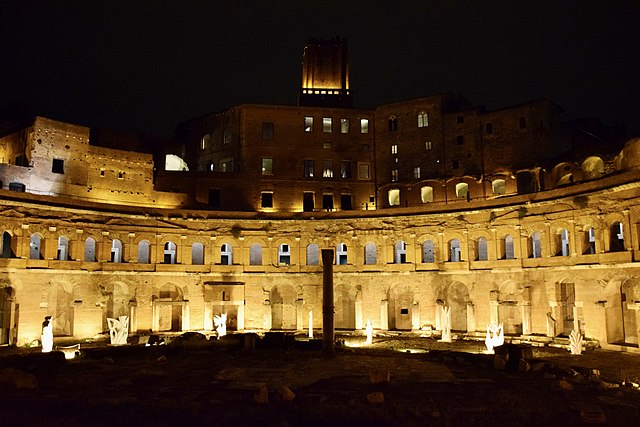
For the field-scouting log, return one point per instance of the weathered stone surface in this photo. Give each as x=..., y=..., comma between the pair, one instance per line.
x=262, y=395
x=375, y=397
x=17, y=378
x=285, y=394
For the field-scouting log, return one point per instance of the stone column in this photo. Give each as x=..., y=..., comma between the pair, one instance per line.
x=358, y=311
x=439, y=305
x=471, y=317
x=186, y=321
x=133, y=318
x=240, y=326
x=208, y=317
x=526, y=317
x=415, y=316
x=384, y=315
x=493, y=307
x=266, y=313
x=328, y=339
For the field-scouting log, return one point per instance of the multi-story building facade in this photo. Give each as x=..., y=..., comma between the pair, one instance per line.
x=427, y=203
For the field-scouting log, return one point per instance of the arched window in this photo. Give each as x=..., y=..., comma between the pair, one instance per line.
x=313, y=257
x=428, y=251
x=508, y=247
x=462, y=190
x=482, y=249
x=394, y=197
x=341, y=254
x=370, y=257
x=7, y=249
x=35, y=247
x=617, y=238
x=423, y=119
x=116, y=250
x=169, y=253
x=400, y=253
x=454, y=250
x=563, y=236
x=284, y=254
x=590, y=242
x=498, y=186
x=255, y=254
x=536, y=245
x=63, y=249
x=392, y=123
x=226, y=254
x=426, y=194
x=144, y=256
x=90, y=250
x=197, y=254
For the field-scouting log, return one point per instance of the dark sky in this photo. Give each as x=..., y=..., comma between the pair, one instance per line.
x=145, y=65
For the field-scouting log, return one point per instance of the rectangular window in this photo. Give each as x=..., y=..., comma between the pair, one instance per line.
x=345, y=169
x=345, y=202
x=364, y=147
x=57, y=166
x=394, y=175
x=226, y=165
x=327, y=169
x=427, y=145
x=364, y=125
x=308, y=202
x=327, y=202
x=267, y=131
x=460, y=119
x=308, y=124
x=326, y=125
x=454, y=164
x=363, y=170
x=522, y=122
x=488, y=128
x=344, y=125
x=267, y=199
x=326, y=146
x=416, y=172
x=394, y=149
x=309, y=166
x=423, y=120
x=267, y=166
x=459, y=140
x=101, y=172
x=120, y=175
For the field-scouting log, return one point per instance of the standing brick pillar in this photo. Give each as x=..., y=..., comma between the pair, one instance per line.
x=328, y=337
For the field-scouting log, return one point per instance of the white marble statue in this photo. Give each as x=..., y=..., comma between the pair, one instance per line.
x=118, y=330
x=369, y=330
x=575, y=342
x=495, y=336
x=220, y=323
x=446, y=324
x=47, y=334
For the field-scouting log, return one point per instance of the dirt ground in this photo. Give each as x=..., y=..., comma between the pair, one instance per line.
x=397, y=381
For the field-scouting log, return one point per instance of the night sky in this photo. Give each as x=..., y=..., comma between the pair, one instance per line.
x=144, y=66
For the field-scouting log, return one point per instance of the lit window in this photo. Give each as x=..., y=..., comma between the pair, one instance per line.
x=364, y=125
x=267, y=166
x=327, y=169
x=226, y=165
x=326, y=146
x=416, y=172
x=308, y=124
x=394, y=197
x=426, y=194
x=345, y=169
x=427, y=145
x=392, y=124
x=498, y=186
x=344, y=125
x=423, y=119
x=267, y=199
x=326, y=125
x=284, y=254
x=204, y=142
x=462, y=190
x=267, y=131
x=394, y=175
x=308, y=168
x=394, y=149
x=363, y=170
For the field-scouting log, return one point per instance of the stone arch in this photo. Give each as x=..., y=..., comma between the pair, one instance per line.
x=370, y=253
x=400, y=309
x=59, y=302
x=345, y=306
x=510, y=302
x=283, y=307
x=456, y=296
x=118, y=302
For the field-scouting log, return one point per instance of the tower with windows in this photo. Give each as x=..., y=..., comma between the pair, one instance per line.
x=325, y=74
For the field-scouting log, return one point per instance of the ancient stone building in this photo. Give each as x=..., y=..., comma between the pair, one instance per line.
x=428, y=203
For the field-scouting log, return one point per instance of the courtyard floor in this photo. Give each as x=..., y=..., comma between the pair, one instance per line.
x=399, y=380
